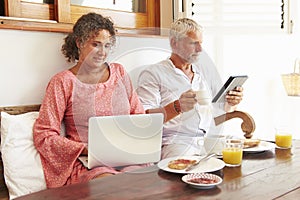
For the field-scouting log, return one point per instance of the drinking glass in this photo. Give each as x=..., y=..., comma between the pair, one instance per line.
x=283, y=138
x=233, y=152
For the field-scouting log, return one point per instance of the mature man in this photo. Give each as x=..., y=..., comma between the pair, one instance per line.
x=169, y=87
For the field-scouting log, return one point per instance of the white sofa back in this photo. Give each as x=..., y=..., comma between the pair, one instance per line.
x=29, y=59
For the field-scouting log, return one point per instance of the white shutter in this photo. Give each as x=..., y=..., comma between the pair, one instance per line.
x=240, y=15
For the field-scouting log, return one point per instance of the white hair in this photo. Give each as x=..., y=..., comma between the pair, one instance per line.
x=182, y=26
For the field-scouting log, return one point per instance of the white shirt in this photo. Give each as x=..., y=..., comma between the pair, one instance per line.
x=163, y=83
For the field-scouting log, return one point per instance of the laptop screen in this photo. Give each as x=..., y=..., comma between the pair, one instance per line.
x=124, y=139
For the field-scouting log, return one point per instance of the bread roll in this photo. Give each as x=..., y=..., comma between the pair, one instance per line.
x=248, y=143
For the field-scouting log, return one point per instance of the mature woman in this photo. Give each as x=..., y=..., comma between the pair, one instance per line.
x=92, y=87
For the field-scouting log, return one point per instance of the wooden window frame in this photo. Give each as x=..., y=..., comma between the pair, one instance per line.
x=60, y=17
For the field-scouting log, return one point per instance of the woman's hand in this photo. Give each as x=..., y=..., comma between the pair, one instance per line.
x=84, y=152
x=104, y=175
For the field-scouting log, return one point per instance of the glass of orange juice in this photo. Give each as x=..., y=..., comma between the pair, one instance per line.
x=283, y=138
x=233, y=152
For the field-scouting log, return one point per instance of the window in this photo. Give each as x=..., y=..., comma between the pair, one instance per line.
x=1, y=7
x=231, y=24
x=250, y=16
x=122, y=5
x=227, y=20
x=59, y=16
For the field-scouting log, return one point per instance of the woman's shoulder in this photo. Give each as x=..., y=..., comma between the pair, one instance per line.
x=117, y=68
x=63, y=75
x=62, y=78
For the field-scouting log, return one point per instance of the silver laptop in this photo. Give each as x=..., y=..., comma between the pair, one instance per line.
x=124, y=140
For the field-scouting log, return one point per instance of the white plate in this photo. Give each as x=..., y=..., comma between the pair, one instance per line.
x=210, y=165
x=187, y=179
x=263, y=146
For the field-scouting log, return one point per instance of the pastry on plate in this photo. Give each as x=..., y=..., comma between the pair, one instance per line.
x=249, y=143
x=180, y=164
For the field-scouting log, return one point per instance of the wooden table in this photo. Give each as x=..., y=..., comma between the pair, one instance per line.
x=266, y=175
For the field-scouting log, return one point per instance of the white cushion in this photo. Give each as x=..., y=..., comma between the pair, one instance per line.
x=23, y=170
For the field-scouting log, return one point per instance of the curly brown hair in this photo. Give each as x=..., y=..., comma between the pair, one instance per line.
x=86, y=27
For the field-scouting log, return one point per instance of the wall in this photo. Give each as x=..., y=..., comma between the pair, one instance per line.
x=264, y=58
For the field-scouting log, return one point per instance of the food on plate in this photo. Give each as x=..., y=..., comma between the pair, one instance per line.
x=180, y=164
x=203, y=180
x=248, y=143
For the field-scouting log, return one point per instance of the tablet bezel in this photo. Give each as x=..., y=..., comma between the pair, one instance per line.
x=231, y=83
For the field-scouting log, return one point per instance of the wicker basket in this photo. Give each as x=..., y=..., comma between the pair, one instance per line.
x=291, y=81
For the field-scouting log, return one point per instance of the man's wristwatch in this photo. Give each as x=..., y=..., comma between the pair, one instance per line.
x=177, y=107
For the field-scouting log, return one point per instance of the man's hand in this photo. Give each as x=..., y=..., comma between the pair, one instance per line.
x=234, y=97
x=187, y=100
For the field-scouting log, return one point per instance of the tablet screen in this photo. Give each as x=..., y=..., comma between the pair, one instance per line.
x=231, y=83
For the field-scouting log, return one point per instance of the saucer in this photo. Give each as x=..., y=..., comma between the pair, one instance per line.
x=202, y=180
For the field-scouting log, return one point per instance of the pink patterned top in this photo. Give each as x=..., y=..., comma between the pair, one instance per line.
x=72, y=102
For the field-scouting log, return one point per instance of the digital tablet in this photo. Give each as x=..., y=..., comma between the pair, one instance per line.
x=231, y=83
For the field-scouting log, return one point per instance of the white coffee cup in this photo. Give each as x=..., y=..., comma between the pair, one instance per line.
x=214, y=143
x=203, y=97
